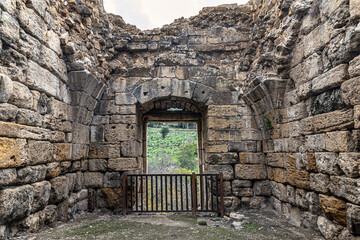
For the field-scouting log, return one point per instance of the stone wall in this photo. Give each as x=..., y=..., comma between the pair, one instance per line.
x=273, y=85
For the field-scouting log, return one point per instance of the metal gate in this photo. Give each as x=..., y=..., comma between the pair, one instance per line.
x=173, y=193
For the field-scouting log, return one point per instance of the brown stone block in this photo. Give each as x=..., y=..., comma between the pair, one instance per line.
x=275, y=159
x=218, y=123
x=290, y=161
x=63, y=151
x=119, y=132
x=350, y=90
x=223, y=158
x=248, y=172
x=276, y=174
x=350, y=164
x=216, y=147
x=12, y=153
x=252, y=158
x=99, y=150
x=122, y=164
x=354, y=8
x=227, y=111
x=340, y=141
x=327, y=122
x=357, y=116
x=334, y=208
x=297, y=178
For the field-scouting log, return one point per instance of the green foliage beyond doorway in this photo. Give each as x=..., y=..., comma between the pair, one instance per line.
x=172, y=148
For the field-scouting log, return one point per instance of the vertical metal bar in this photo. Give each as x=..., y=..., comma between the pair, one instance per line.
x=222, y=193
x=161, y=192
x=166, y=193
x=171, y=193
x=207, y=192
x=152, y=195
x=217, y=194
x=156, y=192
x=142, y=193
x=124, y=194
x=136, y=192
x=187, y=193
x=201, y=193
x=176, y=193
x=181, y=193
x=131, y=193
x=147, y=193
x=193, y=181
x=212, y=193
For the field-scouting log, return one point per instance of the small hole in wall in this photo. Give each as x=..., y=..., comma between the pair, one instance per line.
x=146, y=93
x=113, y=127
x=203, y=92
x=162, y=87
x=186, y=91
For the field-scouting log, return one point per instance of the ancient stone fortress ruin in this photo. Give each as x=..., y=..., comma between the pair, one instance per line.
x=273, y=85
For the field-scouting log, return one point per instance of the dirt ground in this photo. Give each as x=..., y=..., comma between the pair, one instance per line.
x=256, y=226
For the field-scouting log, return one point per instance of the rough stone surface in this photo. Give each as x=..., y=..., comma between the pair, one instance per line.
x=334, y=208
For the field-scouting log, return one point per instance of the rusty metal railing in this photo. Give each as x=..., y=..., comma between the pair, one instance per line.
x=173, y=193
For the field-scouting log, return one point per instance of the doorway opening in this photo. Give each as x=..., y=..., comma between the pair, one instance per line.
x=172, y=148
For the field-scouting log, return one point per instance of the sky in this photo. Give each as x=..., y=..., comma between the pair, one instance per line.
x=149, y=14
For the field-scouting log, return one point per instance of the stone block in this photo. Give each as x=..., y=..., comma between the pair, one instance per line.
x=63, y=151
x=357, y=116
x=52, y=170
x=340, y=141
x=350, y=91
x=236, y=184
x=279, y=190
x=326, y=162
x=7, y=177
x=298, y=178
x=307, y=70
x=223, y=158
x=62, y=211
x=101, y=151
x=297, y=112
x=93, y=179
x=227, y=170
x=334, y=208
x=262, y=188
x=328, y=229
x=97, y=165
x=8, y=5
x=59, y=189
x=122, y=164
x=113, y=197
x=8, y=112
x=243, y=192
x=119, y=132
x=130, y=149
x=40, y=152
x=231, y=204
x=249, y=172
x=344, y=187
x=331, y=79
x=300, y=199
x=275, y=160
x=353, y=219
x=354, y=7
x=251, y=158
x=306, y=161
x=124, y=99
x=112, y=180
x=15, y=203
x=315, y=143
x=327, y=122
x=6, y=88
x=9, y=28
x=277, y=174
x=319, y=182
x=244, y=146
x=290, y=194
x=41, y=195
x=349, y=163
x=327, y=8
x=31, y=174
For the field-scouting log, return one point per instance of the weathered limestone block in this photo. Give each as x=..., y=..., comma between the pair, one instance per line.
x=33, y=23
x=231, y=204
x=41, y=195
x=279, y=190
x=237, y=184
x=306, y=161
x=354, y=8
x=277, y=174
x=331, y=79
x=347, y=188
x=275, y=160
x=202, y=93
x=79, y=181
x=97, y=165
x=354, y=66
x=113, y=197
x=125, y=98
x=350, y=90
x=112, y=180
x=315, y=143
x=249, y=172
x=334, y=208
x=62, y=211
x=7, y=177
x=8, y=5
x=290, y=195
x=307, y=70
x=42, y=80
x=6, y=88
x=297, y=112
x=327, y=122
x=262, y=188
x=28, y=117
x=319, y=182
x=340, y=141
x=53, y=40
x=130, y=149
x=244, y=146
x=353, y=218
x=119, y=132
x=9, y=28
x=242, y=192
x=40, y=152
x=327, y=163
x=15, y=203
x=79, y=151
x=93, y=179
x=327, y=8
x=31, y=174
x=62, y=151
x=59, y=189
x=350, y=164
x=227, y=170
x=328, y=229
x=100, y=151
x=314, y=204
x=12, y=152
x=122, y=164
x=297, y=178
x=251, y=158
x=8, y=112
x=301, y=199
x=71, y=179
x=223, y=158
x=4, y=232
